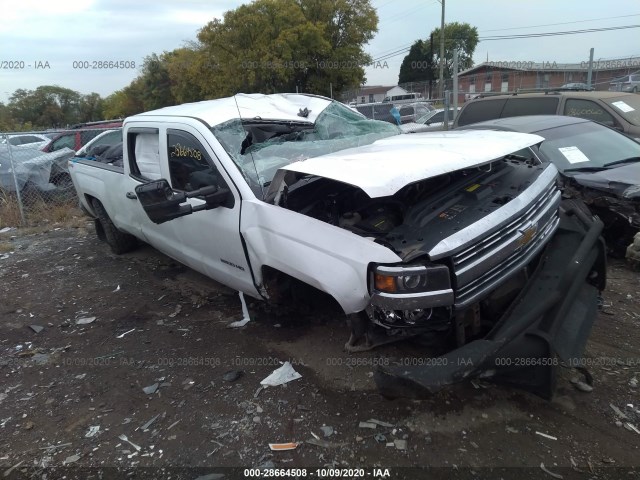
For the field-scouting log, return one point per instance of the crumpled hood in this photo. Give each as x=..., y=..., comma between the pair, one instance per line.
x=622, y=181
x=385, y=166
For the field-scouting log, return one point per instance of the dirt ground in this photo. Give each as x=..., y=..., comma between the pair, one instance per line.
x=70, y=391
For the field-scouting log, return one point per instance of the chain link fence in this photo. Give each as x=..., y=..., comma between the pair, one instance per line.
x=398, y=112
x=35, y=184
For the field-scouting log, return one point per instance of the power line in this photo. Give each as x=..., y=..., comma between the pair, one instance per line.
x=552, y=34
x=515, y=37
x=400, y=15
x=562, y=23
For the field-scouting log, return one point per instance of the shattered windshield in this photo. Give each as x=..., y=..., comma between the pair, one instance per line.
x=260, y=147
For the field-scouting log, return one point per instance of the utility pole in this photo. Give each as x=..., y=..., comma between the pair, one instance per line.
x=590, y=71
x=441, y=85
x=455, y=84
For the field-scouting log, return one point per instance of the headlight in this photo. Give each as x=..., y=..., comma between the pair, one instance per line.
x=411, y=279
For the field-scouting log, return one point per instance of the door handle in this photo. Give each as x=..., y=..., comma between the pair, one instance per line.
x=132, y=196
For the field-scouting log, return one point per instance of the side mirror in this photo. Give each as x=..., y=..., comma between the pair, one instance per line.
x=161, y=203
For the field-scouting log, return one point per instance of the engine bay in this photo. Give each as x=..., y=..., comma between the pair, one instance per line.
x=420, y=214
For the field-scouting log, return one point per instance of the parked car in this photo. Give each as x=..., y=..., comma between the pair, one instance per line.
x=597, y=164
x=628, y=83
x=618, y=110
x=432, y=121
x=35, y=171
x=100, y=143
x=409, y=113
x=77, y=138
x=576, y=86
x=27, y=140
x=449, y=236
x=377, y=111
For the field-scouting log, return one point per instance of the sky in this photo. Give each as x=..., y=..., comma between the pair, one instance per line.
x=47, y=43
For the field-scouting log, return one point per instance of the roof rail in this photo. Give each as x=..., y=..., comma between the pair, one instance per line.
x=489, y=94
x=99, y=122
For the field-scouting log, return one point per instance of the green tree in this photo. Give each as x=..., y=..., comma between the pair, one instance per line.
x=46, y=106
x=280, y=45
x=124, y=102
x=7, y=123
x=155, y=83
x=183, y=65
x=90, y=107
x=460, y=36
x=418, y=65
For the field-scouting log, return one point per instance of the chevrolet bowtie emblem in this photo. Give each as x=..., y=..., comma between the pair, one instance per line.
x=527, y=234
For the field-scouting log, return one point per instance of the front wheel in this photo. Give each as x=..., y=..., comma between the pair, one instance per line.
x=118, y=241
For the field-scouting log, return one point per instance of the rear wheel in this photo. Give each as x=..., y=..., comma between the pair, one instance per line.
x=118, y=241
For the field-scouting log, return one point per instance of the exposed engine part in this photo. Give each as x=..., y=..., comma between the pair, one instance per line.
x=419, y=215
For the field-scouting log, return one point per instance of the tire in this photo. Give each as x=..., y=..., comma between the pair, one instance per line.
x=118, y=241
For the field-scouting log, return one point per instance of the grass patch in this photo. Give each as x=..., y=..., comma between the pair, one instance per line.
x=9, y=210
x=6, y=247
x=40, y=215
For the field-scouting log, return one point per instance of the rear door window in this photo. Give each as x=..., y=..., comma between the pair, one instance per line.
x=68, y=141
x=143, y=145
x=480, y=111
x=589, y=110
x=517, y=107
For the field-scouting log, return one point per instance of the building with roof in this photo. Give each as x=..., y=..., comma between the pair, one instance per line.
x=509, y=76
x=372, y=94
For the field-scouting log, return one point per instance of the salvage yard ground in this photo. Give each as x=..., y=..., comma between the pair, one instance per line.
x=70, y=390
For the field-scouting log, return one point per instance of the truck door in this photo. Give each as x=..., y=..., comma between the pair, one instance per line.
x=141, y=152
x=208, y=241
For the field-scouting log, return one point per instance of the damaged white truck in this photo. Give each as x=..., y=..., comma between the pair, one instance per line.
x=459, y=238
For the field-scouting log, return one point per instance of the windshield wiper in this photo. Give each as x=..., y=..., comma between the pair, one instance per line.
x=624, y=160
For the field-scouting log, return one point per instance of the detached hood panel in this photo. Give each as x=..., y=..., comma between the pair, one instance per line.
x=384, y=167
x=614, y=180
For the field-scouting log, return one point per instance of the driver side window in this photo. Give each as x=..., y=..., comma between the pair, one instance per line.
x=190, y=166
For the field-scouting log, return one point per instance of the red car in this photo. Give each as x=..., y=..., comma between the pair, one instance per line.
x=78, y=136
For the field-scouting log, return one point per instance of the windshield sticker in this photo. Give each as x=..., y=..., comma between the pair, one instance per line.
x=622, y=106
x=573, y=154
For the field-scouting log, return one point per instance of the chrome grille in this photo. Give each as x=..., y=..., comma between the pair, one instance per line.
x=487, y=262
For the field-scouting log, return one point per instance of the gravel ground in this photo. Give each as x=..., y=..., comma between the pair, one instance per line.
x=71, y=391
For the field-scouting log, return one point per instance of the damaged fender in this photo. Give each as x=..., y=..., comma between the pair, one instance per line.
x=326, y=257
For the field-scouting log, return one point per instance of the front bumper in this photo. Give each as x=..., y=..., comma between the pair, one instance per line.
x=548, y=323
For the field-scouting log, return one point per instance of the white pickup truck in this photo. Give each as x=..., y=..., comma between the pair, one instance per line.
x=439, y=235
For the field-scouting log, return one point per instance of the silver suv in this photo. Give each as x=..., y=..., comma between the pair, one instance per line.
x=614, y=109
x=628, y=83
